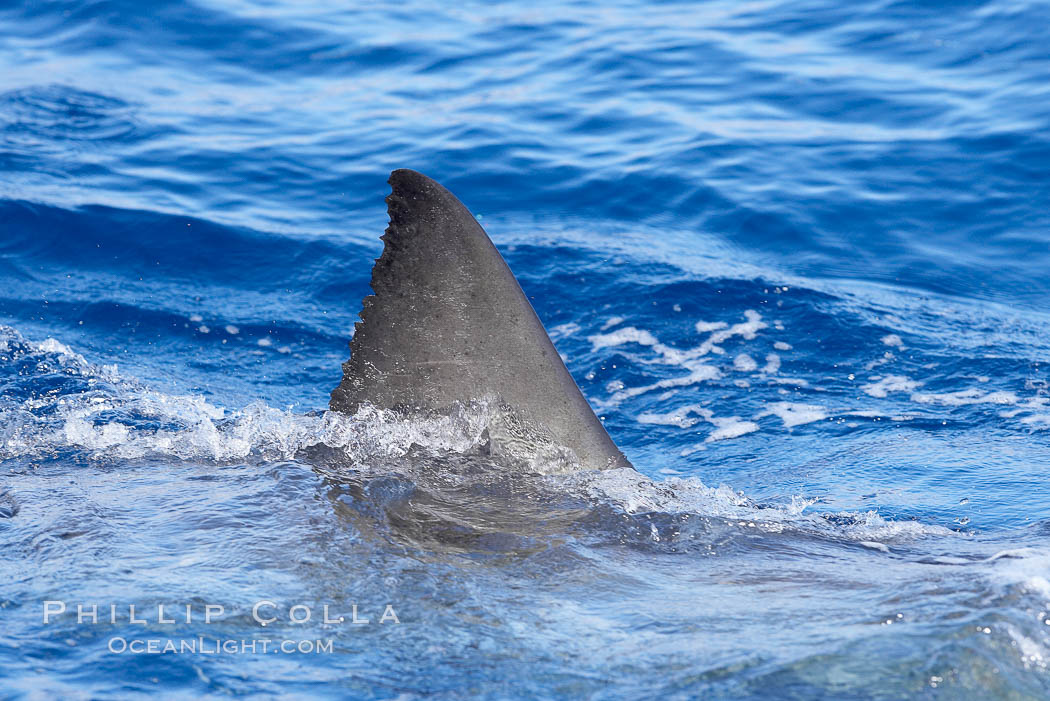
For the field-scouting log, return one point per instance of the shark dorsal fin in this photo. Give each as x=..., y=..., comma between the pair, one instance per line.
x=449, y=323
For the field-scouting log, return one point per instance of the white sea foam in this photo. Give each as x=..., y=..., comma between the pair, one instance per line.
x=619, y=337
x=683, y=417
x=118, y=418
x=730, y=427
x=700, y=374
x=793, y=414
x=772, y=366
x=637, y=494
x=1037, y=421
x=673, y=356
x=745, y=329
x=745, y=363
x=789, y=381
x=726, y=427
x=564, y=330
x=881, y=387
x=965, y=397
x=691, y=359
x=881, y=547
x=195, y=429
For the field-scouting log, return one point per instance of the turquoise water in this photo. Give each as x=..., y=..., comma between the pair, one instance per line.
x=795, y=255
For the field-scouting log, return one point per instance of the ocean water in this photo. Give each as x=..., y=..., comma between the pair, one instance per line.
x=797, y=256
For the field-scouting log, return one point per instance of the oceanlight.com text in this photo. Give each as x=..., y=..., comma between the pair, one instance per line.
x=215, y=646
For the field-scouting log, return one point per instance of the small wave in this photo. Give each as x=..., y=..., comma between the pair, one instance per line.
x=104, y=416
x=714, y=362
x=96, y=412
x=59, y=113
x=635, y=494
x=92, y=409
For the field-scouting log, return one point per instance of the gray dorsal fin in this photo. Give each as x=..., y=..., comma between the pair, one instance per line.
x=449, y=323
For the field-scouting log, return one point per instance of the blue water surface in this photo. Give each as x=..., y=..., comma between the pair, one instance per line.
x=796, y=254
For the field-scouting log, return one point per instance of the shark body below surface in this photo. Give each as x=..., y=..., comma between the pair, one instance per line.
x=448, y=324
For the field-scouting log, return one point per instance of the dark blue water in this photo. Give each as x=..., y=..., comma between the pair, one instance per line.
x=795, y=254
